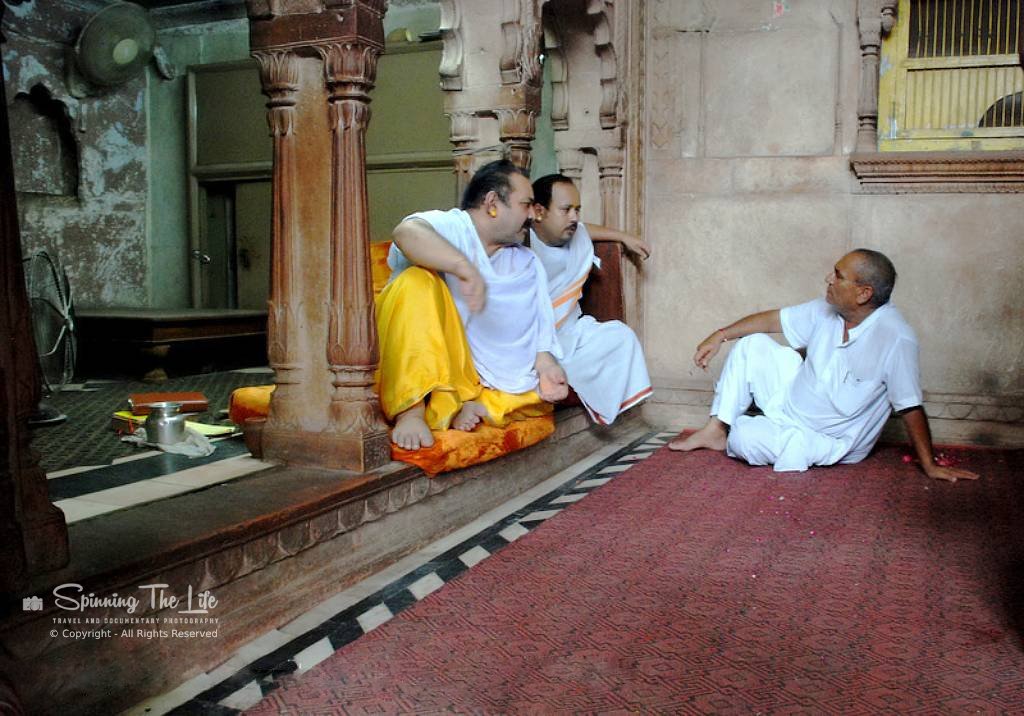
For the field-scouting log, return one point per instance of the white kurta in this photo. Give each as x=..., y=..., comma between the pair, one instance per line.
x=828, y=408
x=602, y=360
x=516, y=322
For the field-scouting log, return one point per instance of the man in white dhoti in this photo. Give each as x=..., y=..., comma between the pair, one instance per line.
x=830, y=407
x=602, y=360
x=476, y=342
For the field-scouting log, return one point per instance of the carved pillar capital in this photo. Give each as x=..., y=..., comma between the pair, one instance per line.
x=516, y=128
x=465, y=135
x=570, y=163
x=350, y=68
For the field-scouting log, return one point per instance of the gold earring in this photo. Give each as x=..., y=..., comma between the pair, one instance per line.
x=492, y=212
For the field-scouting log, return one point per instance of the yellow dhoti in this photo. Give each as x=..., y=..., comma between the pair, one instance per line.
x=424, y=356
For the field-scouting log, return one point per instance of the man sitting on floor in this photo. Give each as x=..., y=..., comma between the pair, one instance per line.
x=603, y=360
x=830, y=407
x=477, y=342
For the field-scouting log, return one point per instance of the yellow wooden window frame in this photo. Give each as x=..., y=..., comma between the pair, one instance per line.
x=927, y=103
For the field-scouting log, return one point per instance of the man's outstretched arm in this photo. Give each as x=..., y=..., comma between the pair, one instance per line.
x=633, y=244
x=921, y=438
x=423, y=246
x=763, y=322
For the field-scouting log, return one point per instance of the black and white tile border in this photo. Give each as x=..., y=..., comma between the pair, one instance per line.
x=247, y=685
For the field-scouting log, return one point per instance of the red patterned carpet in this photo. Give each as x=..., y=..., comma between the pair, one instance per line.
x=695, y=584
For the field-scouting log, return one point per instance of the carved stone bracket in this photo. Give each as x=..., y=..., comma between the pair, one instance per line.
x=558, y=71
x=521, y=35
x=451, y=67
x=875, y=18
x=516, y=128
x=603, y=12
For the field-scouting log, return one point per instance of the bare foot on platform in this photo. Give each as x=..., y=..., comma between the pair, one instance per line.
x=411, y=431
x=712, y=437
x=469, y=416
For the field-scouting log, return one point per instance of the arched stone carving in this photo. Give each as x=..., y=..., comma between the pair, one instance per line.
x=875, y=18
x=451, y=67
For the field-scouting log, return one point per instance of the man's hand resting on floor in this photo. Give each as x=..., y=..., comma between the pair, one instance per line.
x=552, y=385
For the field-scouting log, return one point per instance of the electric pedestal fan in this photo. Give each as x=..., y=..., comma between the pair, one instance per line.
x=53, y=326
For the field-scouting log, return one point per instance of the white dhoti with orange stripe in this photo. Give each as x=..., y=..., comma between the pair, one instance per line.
x=602, y=360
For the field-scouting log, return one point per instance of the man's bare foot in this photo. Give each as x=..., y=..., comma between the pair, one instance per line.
x=469, y=416
x=712, y=436
x=411, y=431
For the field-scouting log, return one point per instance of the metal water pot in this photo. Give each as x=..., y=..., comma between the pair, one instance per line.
x=165, y=424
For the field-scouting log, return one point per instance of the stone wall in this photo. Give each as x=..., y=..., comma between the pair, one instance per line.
x=751, y=115
x=80, y=163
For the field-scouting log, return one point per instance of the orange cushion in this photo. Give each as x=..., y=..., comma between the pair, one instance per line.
x=251, y=402
x=452, y=449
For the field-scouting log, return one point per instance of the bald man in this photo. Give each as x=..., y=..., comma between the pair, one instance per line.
x=861, y=364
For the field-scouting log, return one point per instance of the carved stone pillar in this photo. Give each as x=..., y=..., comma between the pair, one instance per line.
x=465, y=135
x=318, y=62
x=875, y=18
x=516, y=128
x=352, y=349
x=279, y=73
x=33, y=533
x=609, y=167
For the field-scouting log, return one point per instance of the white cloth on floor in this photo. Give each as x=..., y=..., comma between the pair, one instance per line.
x=195, y=444
x=516, y=323
x=830, y=407
x=603, y=360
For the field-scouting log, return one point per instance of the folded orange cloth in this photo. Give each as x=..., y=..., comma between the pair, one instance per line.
x=251, y=402
x=452, y=449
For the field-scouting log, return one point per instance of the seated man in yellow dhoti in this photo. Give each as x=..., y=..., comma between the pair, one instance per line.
x=466, y=327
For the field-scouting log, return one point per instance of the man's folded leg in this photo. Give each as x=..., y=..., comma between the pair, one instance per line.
x=424, y=355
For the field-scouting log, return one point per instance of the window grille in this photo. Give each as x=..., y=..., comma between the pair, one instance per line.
x=951, y=76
